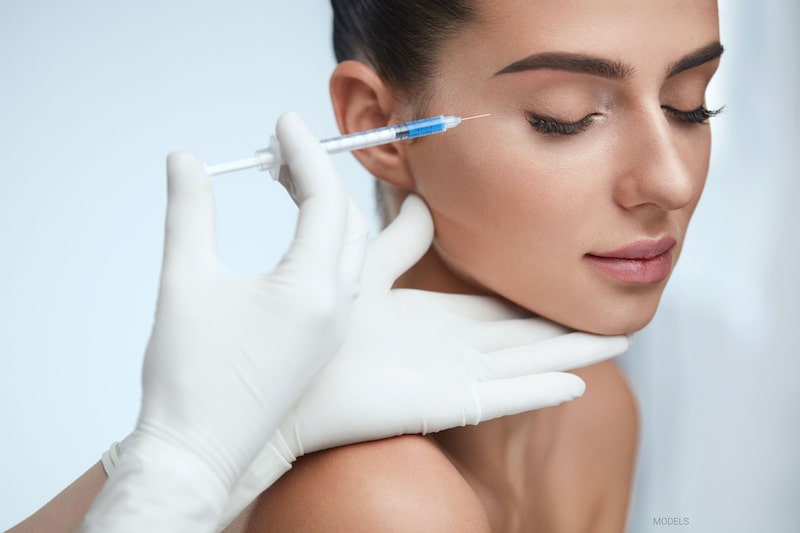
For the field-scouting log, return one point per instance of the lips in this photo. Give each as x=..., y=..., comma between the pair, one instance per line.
x=642, y=262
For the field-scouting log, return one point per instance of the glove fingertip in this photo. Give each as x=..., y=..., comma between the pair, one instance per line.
x=564, y=386
x=308, y=170
x=528, y=393
x=295, y=136
x=575, y=385
x=190, y=231
x=185, y=171
x=401, y=245
x=417, y=217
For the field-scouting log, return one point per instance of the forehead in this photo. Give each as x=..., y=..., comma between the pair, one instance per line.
x=641, y=33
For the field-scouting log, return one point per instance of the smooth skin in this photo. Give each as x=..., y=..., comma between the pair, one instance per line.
x=516, y=213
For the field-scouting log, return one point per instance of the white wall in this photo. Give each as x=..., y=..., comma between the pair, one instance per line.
x=93, y=95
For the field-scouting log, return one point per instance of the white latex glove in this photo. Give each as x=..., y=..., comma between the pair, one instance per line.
x=420, y=362
x=228, y=356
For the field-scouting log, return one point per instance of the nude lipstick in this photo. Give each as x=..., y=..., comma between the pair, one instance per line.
x=642, y=262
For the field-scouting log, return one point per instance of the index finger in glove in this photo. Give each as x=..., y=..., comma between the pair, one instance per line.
x=564, y=352
x=495, y=335
x=318, y=192
x=464, y=306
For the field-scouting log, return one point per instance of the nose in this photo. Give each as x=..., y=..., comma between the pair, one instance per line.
x=653, y=172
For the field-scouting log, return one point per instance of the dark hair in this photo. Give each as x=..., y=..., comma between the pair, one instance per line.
x=400, y=39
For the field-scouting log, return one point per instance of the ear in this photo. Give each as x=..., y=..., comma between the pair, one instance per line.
x=362, y=101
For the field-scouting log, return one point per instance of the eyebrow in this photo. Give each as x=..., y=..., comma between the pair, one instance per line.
x=568, y=62
x=605, y=68
x=708, y=53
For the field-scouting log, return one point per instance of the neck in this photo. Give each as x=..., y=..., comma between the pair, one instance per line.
x=489, y=455
x=431, y=273
x=499, y=457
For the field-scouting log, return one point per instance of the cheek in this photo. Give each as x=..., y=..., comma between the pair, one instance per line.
x=699, y=155
x=512, y=184
x=515, y=214
x=511, y=215
x=695, y=151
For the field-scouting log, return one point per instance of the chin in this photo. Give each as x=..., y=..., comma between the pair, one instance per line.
x=615, y=319
x=609, y=316
x=616, y=326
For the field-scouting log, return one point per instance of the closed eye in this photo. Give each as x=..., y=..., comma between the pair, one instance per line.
x=551, y=126
x=701, y=115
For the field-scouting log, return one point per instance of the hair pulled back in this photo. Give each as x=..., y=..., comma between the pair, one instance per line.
x=400, y=39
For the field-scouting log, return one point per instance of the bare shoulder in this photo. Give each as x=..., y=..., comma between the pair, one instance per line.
x=598, y=436
x=399, y=484
x=608, y=409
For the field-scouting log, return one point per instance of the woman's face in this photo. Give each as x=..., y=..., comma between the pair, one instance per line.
x=573, y=198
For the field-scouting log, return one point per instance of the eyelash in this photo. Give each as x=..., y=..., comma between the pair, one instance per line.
x=549, y=126
x=552, y=127
x=701, y=115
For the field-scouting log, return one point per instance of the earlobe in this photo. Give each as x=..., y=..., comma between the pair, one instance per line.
x=362, y=101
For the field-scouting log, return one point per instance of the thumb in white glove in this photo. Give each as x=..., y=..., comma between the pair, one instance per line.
x=228, y=356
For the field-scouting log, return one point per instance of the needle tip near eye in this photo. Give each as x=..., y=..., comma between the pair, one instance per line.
x=476, y=116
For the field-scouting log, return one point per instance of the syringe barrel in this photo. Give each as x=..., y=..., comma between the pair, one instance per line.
x=366, y=139
x=397, y=132
x=271, y=158
x=426, y=126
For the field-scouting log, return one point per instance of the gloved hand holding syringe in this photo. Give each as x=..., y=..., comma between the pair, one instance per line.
x=271, y=157
x=242, y=376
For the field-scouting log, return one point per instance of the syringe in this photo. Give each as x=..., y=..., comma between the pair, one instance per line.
x=270, y=158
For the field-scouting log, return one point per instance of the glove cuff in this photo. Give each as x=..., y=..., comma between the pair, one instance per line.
x=110, y=458
x=157, y=487
x=274, y=460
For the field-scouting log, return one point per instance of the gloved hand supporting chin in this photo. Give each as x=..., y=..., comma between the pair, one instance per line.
x=418, y=362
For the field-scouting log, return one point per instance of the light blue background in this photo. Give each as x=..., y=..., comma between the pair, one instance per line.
x=717, y=372
x=95, y=94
